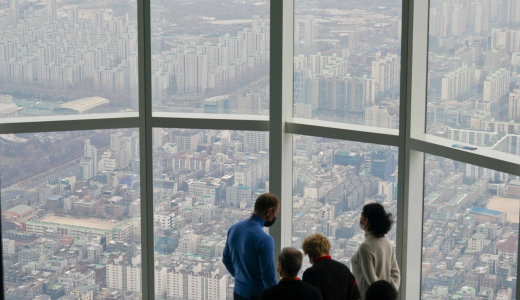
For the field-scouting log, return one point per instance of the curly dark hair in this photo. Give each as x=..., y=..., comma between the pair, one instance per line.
x=380, y=221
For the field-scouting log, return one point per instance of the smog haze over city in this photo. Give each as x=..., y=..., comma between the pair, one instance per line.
x=71, y=200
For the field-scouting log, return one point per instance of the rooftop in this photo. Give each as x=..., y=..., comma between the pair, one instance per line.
x=476, y=185
x=80, y=106
x=484, y=211
x=508, y=244
x=450, y=179
x=20, y=209
x=457, y=199
x=432, y=197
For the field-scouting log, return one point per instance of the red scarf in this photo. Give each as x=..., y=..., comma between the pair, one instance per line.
x=325, y=257
x=290, y=279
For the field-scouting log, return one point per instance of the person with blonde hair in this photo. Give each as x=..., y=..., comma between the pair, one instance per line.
x=332, y=278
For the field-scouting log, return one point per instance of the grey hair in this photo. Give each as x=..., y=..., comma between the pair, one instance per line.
x=291, y=260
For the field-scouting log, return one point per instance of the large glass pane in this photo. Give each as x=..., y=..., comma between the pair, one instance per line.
x=470, y=231
x=67, y=57
x=332, y=181
x=347, y=61
x=71, y=215
x=473, y=73
x=210, y=56
x=204, y=182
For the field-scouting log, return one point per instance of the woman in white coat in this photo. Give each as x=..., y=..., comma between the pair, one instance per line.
x=375, y=259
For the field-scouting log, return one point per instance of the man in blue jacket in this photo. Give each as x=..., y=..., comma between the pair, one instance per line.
x=249, y=251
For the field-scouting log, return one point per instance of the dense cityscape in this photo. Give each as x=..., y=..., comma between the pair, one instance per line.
x=70, y=201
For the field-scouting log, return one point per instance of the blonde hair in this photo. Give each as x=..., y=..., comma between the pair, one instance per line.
x=315, y=245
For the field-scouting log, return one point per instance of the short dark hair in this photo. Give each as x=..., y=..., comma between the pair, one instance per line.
x=381, y=290
x=291, y=260
x=380, y=221
x=266, y=201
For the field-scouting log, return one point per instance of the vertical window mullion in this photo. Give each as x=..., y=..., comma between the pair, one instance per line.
x=281, y=97
x=145, y=143
x=414, y=65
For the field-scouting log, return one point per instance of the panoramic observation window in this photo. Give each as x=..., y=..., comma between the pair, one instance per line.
x=473, y=72
x=204, y=182
x=67, y=59
x=134, y=134
x=71, y=213
x=347, y=62
x=332, y=181
x=210, y=56
x=470, y=231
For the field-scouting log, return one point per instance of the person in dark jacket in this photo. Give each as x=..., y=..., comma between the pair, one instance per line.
x=332, y=278
x=381, y=290
x=290, y=287
x=249, y=251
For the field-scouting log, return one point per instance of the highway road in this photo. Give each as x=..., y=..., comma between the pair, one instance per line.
x=26, y=188
x=29, y=192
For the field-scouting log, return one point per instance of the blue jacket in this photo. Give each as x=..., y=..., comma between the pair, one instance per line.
x=249, y=257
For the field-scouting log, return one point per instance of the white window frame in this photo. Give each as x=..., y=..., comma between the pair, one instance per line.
x=411, y=138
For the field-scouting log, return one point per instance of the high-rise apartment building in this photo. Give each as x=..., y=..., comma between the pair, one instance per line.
x=121, y=147
x=361, y=93
x=329, y=93
x=473, y=137
x=253, y=171
x=510, y=12
x=457, y=20
x=505, y=38
x=386, y=72
x=456, y=83
x=515, y=62
x=195, y=283
x=301, y=86
x=480, y=23
x=500, y=38
x=13, y=4
x=86, y=168
x=351, y=94
x=308, y=30
x=379, y=117
x=92, y=152
x=124, y=275
x=192, y=72
x=157, y=137
x=186, y=140
x=160, y=281
x=301, y=61
x=496, y=86
x=514, y=104
x=250, y=103
x=332, y=65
